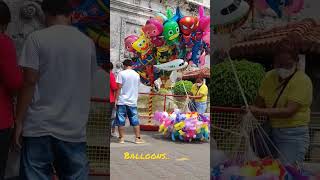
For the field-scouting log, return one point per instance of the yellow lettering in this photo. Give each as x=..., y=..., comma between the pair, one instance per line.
x=153, y=156
x=126, y=155
x=137, y=157
x=158, y=156
x=147, y=156
x=132, y=156
x=141, y=156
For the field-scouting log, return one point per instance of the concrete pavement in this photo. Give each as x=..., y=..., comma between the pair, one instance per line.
x=186, y=161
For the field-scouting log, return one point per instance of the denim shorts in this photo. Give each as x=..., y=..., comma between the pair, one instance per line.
x=124, y=111
x=292, y=143
x=113, y=117
x=201, y=107
x=40, y=153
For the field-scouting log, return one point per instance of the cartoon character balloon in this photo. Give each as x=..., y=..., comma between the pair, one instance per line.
x=188, y=25
x=289, y=6
x=153, y=29
x=204, y=21
x=128, y=41
x=142, y=45
x=171, y=30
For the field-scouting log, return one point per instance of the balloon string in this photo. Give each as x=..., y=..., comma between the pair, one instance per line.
x=238, y=81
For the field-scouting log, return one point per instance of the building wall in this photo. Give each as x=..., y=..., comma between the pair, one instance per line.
x=127, y=16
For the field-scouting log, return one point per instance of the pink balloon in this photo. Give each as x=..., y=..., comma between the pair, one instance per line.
x=204, y=21
x=128, y=41
x=203, y=59
x=189, y=55
x=206, y=37
x=261, y=5
x=294, y=7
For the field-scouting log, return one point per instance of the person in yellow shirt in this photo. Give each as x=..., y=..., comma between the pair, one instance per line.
x=285, y=96
x=199, y=95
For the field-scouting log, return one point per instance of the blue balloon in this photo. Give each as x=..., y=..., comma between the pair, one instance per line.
x=178, y=15
x=196, y=52
x=173, y=138
x=276, y=6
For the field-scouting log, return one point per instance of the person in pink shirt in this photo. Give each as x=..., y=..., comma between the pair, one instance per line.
x=10, y=83
x=113, y=89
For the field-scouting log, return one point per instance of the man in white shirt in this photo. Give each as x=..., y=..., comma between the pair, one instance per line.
x=126, y=101
x=59, y=64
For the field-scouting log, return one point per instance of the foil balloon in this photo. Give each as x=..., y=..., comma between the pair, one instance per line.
x=161, y=16
x=204, y=21
x=165, y=53
x=172, y=65
x=148, y=75
x=153, y=29
x=142, y=45
x=178, y=15
x=202, y=59
x=261, y=5
x=294, y=7
x=206, y=38
x=277, y=6
x=171, y=30
x=226, y=20
x=140, y=63
x=188, y=25
x=128, y=41
x=196, y=52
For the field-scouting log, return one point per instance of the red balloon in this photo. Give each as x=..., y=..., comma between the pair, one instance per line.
x=188, y=24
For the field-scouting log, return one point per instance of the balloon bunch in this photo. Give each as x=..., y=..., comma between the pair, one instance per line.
x=168, y=42
x=183, y=126
x=260, y=170
x=289, y=7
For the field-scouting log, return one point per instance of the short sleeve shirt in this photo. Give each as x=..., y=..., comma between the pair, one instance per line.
x=203, y=90
x=299, y=90
x=66, y=61
x=130, y=81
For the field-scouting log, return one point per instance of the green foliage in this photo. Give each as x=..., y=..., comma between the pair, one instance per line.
x=224, y=89
x=178, y=88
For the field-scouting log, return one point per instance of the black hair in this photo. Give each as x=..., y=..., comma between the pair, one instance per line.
x=110, y=65
x=56, y=7
x=127, y=63
x=5, y=15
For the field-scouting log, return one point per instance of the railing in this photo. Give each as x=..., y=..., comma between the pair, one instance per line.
x=98, y=137
x=225, y=123
x=149, y=103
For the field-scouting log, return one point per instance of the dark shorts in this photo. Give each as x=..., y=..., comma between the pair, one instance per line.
x=39, y=154
x=124, y=111
x=5, y=137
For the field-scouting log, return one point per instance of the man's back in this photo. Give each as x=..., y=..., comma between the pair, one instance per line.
x=130, y=87
x=65, y=60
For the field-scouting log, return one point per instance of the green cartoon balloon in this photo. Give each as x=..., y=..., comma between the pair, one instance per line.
x=171, y=29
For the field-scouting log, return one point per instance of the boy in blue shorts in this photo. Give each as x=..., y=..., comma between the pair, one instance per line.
x=126, y=101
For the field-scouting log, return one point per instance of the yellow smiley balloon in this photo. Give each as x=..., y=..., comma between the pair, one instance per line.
x=142, y=44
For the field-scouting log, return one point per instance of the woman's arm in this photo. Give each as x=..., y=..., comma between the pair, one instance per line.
x=197, y=97
x=259, y=102
x=286, y=112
